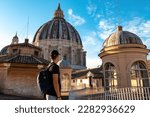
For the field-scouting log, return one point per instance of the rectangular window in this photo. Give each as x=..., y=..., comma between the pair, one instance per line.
x=36, y=53
x=15, y=51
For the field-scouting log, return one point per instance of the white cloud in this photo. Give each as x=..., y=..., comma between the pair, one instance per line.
x=93, y=62
x=140, y=27
x=70, y=11
x=101, y=8
x=90, y=39
x=76, y=20
x=105, y=28
x=137, y=25
x=92, y=45
x=91, y=8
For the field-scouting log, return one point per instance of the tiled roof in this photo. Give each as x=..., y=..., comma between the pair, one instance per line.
x=24, y=59
x=4, y=50
x=26, y=45
x=3, y=59
x=96, y=71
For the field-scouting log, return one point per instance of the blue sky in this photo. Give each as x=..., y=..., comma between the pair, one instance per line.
x=95, y=20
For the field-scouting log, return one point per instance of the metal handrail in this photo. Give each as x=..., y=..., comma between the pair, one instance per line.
x=130, y=93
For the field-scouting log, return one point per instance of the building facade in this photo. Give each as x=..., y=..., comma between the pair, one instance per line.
x=89, y=78
x=19, y=65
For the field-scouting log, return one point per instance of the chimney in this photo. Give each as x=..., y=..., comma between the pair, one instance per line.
x=26, y=41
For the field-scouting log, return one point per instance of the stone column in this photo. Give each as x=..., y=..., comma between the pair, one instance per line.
x=84, y=58
x=72, y=53
x=82, y=61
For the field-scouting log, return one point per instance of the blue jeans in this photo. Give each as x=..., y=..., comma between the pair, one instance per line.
x=50, y=97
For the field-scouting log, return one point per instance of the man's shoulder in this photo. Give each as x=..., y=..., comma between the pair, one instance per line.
x=53, y=66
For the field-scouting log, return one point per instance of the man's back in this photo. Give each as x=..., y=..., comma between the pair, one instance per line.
x=54, y=69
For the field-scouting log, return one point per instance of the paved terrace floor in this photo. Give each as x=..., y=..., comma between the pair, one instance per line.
x=13, y=97
x=87, y=91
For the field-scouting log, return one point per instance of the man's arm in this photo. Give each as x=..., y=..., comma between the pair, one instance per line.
x=56, y=85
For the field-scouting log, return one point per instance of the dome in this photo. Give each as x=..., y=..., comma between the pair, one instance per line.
x=4, y=50
x=57, y=28
x=122, y=37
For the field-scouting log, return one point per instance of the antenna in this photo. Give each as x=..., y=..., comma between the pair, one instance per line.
x=16, y=33
x=27, y=27
x=118, y=11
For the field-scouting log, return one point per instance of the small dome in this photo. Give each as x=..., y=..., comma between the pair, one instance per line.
x=57, y=28
x=4, y=50
x=122, y=37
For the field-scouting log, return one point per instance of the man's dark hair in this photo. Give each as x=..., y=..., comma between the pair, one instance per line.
x=54, y=54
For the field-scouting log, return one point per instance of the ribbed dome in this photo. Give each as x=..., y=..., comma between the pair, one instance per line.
x=122, y=37
x=57, y=28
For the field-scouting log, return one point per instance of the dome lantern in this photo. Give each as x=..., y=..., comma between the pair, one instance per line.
x=58, y=13
x=15, y=39
x=119, y=28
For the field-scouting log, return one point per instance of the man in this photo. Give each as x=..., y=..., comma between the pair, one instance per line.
x=55, y=93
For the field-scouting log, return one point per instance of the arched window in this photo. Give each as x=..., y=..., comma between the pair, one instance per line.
x=65, y=82
x=139, y=75
x=110, y=81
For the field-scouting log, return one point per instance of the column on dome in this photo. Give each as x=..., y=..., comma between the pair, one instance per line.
x=78, y=56
x=71, y=46
x=72, y=53
x=75, y=57
x=49, y=51
x=60, y=30
x=82, y=58
x=60, y=46
x=69, y=55
x=46, y=54
x=66, y=54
